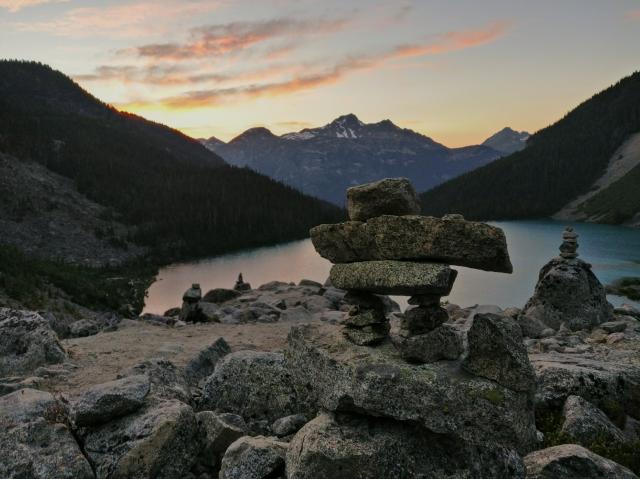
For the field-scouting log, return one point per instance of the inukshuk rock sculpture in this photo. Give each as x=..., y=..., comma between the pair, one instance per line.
x=387, y=248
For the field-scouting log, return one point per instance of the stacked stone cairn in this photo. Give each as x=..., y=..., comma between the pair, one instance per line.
x=387, y=248
x=568, y=295
x=190, y=311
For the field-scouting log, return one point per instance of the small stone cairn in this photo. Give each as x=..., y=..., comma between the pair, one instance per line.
x=569, y=246
x=387, y=248
x=190, y=311
x=241, y=285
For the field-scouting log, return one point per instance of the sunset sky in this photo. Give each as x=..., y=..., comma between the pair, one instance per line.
x=455, y=70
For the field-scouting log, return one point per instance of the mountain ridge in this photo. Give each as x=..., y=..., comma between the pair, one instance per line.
x=325, y=160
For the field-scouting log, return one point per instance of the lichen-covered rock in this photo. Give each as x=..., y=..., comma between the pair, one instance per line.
x=156, y=442
x=34, y=441
x=496, y=352
x=26, y=342
x=443, y=342
x=390, y=196
x=345, y=446
x=369, y=335
x=341, y=376
x=288, y=425
x=568, y=293
x=255, y=385
x=586, y=424
x=570, y=461
x=607, y=384
x=104, y=402
x=217, y=432
x=168, y=381
x=205, y=362
x=394, y=277
x=414, y=238
x=254, y=458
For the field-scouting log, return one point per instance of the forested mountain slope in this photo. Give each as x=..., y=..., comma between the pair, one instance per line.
x=560, y=163
x=179, y=199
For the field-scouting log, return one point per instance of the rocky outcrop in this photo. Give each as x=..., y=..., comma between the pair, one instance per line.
x=586, y=424
x=343, y=377
x=26, y=342
x=217, y=433
x=159, y=441
x=450, y=241
x=254, y=458
x=104, y=402
x=496, y=352
x=343, y=446
x=288, y=425
x=567, y=293
x=168, y=381
x=255, y=385
x=391, y=196
x=35, y=442
x=203, y=365
x=570, y=461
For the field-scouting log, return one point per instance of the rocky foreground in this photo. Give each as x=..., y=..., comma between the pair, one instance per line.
x=332, y=380
x=310, y=404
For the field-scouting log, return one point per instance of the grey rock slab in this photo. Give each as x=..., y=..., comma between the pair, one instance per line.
x=205, y=361
x=496, y=352
x=613, y=326
x=34, y=441
x=255, y=385
x=218, y=432
x=83, y=328
x=343, y=446
x=220, y=295
x=369, y=335
x=462, y=243
x=159, y=441
x=443, y=342
x=600, y=382
x=586, y=424
x=26, y=342
x=390, y=196
x=104, y=402
x=341, y=376
x=571, y=461
x=394, y=277
x=168, y=381
x=254, y=458
x=628, y=310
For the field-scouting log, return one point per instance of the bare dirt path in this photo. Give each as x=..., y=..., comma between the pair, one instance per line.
x=100, y=358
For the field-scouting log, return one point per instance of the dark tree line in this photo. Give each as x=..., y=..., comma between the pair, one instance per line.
x=560, y=163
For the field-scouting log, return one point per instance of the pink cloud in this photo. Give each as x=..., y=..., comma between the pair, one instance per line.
x=16, y=5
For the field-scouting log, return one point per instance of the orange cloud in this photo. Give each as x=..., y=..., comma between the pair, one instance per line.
x=215, y=40
x=16, y=5
x=448, y=42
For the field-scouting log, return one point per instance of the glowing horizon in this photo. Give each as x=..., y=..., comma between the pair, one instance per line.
x=454, y=71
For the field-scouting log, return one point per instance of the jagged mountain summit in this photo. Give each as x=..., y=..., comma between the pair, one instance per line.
x=324, y=161
x=508, y=140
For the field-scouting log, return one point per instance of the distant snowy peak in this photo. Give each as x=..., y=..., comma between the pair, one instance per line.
x=507, y=140
x=345, y=127
x=300, y=135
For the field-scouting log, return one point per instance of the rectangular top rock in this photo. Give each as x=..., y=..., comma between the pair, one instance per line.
x=394, y=277
x=423, y=238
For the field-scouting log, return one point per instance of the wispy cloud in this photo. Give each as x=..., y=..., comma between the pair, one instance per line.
x=16, y=5
x=129, y=20
x=633, y=15
x=214, y=40
x=448, y=42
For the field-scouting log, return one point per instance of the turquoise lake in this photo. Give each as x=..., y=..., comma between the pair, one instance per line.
x=613, y=251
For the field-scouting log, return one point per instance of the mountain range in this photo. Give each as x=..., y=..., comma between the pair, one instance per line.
x=324, y=161
x=584, y=167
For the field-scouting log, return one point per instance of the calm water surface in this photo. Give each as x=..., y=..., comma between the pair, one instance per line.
x=613, y=251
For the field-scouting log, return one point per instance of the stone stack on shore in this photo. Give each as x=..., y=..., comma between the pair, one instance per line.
x=387, y=248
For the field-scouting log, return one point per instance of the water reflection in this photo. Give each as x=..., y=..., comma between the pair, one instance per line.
x=613, y=251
